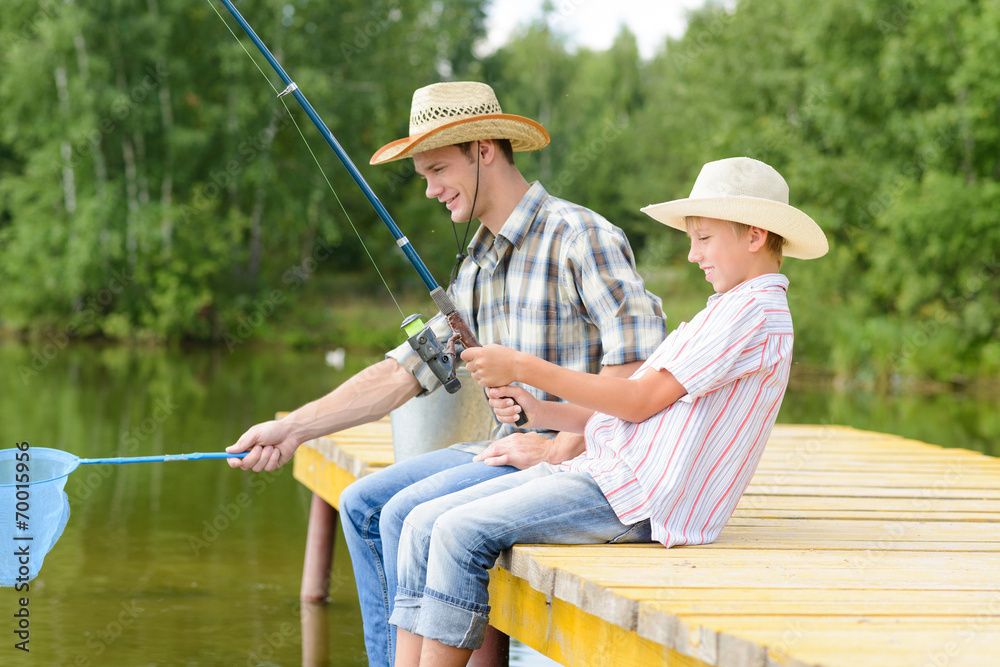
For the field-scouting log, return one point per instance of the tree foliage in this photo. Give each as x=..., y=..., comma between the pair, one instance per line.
x=152, y=183
x=139, y=141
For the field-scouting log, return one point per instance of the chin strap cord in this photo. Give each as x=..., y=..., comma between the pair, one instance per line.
x=463, y=245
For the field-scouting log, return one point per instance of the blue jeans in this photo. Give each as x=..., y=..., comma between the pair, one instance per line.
x=372, y=511
x=449, y=544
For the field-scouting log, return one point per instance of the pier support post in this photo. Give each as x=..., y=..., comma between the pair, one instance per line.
x=319, y=551
x=495, y=651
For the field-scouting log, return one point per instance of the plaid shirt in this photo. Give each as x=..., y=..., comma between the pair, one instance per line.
x=558, y=282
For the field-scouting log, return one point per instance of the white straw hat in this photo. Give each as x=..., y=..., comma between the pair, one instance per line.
x=748, y=191
x=444, y=114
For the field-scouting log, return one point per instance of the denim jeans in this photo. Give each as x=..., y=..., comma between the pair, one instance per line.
x=449, y=544
x=372, y=511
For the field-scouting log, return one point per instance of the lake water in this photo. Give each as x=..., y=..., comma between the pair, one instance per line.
x=191, y=563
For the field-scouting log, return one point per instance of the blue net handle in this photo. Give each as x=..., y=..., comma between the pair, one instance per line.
x=195, y=456
x=46, y=464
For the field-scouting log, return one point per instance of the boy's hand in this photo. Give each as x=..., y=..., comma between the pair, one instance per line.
x=509, y=402
x=492, y=365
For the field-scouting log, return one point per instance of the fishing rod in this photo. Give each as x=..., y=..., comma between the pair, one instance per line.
x=442, y=361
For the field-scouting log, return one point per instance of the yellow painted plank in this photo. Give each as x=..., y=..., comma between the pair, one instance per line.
x=900, y=453
x=812, y=601
x=568, y=635
x=856, y=624
x=322, y=476
x=809, y=541
x=921, y=483
x=991, y=508
x=757, y=540
x=883, y=532
x=788, y=513
x=878, y=475
x=864, y=641
x=871, y=492
x=570, y=576
x=859, y=642
x=902, y=449
x=974, y=570
x=654, y=555
x=876, y=577
x=888, y=465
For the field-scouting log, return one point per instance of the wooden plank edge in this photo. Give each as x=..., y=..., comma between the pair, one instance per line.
x=320, y=475
x=567, y=634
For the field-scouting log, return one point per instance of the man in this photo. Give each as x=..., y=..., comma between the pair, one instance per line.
x=542, y=275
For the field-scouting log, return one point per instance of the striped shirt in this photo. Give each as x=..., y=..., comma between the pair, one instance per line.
x=686, y=467
x=558, y=282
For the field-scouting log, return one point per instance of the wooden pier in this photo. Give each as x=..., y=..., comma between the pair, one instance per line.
x=849, y=549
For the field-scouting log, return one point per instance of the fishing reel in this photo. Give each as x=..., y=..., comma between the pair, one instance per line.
x=426, y=344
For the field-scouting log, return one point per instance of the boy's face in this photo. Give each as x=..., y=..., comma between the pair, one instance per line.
x=724, y=257
x=451, y=179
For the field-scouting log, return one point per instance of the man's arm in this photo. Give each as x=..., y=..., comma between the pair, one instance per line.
x=523, y=450
x=366, y=397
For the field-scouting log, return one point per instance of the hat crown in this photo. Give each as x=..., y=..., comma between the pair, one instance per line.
x=740, y=177
x=441, y=103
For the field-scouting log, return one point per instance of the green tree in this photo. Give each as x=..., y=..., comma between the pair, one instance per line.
x=153, y=185
x=882, y=117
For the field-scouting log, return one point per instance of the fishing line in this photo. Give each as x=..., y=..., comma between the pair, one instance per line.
x=313, y=154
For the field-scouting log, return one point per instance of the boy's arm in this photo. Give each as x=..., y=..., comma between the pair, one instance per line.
x=633, y=400
x=523, y=449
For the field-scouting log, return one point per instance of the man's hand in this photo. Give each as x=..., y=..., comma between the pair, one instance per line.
x=523, y=450
x=270, y=446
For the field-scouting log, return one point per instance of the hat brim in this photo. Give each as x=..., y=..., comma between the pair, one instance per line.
x=523, y=133
x=804, y=238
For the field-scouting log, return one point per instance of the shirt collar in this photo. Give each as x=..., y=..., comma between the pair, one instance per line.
x=515, y=229
x=764, y=283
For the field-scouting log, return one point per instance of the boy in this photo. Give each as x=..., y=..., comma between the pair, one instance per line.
x=669, y=451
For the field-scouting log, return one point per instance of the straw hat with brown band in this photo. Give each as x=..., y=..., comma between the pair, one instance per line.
x=751, y=192
x=444, y=114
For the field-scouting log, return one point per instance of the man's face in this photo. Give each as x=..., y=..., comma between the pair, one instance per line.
x=451, y=179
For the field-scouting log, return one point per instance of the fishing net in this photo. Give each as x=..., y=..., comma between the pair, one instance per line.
x=34, y=509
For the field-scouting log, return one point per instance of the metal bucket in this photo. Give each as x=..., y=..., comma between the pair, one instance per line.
x=439, y=419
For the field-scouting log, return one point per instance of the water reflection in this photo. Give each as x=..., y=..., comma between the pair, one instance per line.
x=191, y=563
x=315, y=635
x=182, y=563
x=946, y=419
